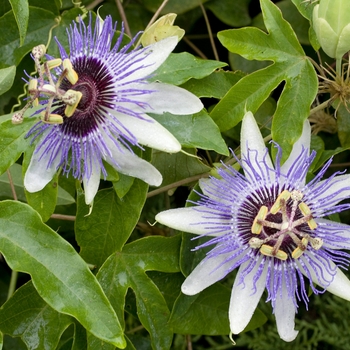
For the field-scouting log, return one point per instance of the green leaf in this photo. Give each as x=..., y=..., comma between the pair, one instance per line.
x=7, y=76
x=194, y=131
x=175, y=6
x=39, y=26
x=180, y=67
x=290, y=65
x=127, y=269
x=214, y=85
x=1, y=341
x=58, y=273
x=12, y=141
x=234, y=16
x=63, y=197
x=111, y=222
x=178, y=166
x=20, y=9
x=27, y=315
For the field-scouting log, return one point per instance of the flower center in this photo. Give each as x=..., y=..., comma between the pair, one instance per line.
x=281, y=230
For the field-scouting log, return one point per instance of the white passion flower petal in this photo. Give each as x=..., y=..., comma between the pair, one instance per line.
x=303, y=143
x=39, y=174
x=285, y=315
x=149, y=132
x=91, y=183
x=246, y=293
x=130, y=164
x=340, y=286
x=149, y=59
x=254, y=151
x=168, y=98
x=207, y=273
x=192, y=220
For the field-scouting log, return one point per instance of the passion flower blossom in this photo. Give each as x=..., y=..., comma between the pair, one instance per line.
x=96, y=101
x=271, y=224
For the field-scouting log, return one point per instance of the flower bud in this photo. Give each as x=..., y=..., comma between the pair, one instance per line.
x=161, y=29
x=331, y=21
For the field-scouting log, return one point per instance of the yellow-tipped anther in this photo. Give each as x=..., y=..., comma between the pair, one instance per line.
x=72, y=75
x=48, y=90
x=56, y=62
x=53, y=118
x=269, y=251
x=297, y=252
x=70, y=108
x=285, y=195
x=33, y=86
x=306, y=211
x=256, y=227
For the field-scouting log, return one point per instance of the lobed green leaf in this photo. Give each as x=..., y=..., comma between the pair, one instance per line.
x=7, y=76
x=20, y=10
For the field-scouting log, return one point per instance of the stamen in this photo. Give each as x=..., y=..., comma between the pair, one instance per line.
x=72, y=75
x=306, y=211
x=269, y=251
x=54, y=63
x=298, y=252
x=51, y=118
x=256, y=227
x=48, y=89
x=283, y=197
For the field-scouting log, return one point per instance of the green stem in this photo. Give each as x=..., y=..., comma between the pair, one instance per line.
x=338, y=66
x=13, y=282
x=323, y=105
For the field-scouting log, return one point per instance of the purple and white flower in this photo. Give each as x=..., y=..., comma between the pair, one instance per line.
x=96, y=101
x=271, y=225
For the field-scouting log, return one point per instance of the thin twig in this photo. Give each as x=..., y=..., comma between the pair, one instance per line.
x=177, y=184
x=13, y=190
x=194, y=48
x=211, y=38
x=93, y=4
x=63, y=217
x=157, y=13
x=123, y=16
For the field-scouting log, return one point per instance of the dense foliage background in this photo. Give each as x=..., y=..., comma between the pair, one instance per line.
x=69, y=280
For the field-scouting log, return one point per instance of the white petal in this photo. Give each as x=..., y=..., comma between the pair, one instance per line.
x=189, y=220
x=38, y=175
x=245, y=298
x=91, y=184
x=251, y=140
x=302, y=143
x=338, y=231
x=285, y=315
x=132, y=165
x=149, y=133
x=207, y=273
x=339, y=183
x=150, y=59
x=167, y=98
x=340, y=286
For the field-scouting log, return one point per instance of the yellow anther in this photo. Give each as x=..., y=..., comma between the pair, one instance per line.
x=53, y=118
x=56, y=62
x=33, y=86
x=269, y=251
x=72, y=75
x=48, y=89
x=285, y=195
x=306, y=211
x=255, y=242
x=256, y=227
x=38, y=51
x=297, y=252
x=316, y=243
